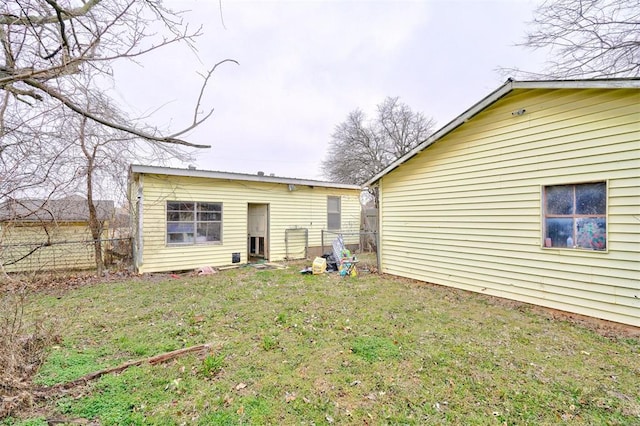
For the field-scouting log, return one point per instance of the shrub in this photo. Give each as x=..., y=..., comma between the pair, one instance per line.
x=23, y=347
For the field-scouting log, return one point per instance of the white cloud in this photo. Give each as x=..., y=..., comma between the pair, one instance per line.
x=305, y=65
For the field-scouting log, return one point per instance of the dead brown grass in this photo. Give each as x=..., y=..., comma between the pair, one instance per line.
x=23, y=348
x=300, y=348
x=604, y=328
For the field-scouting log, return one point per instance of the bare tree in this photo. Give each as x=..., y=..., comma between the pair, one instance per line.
x=59, y=131
x=100, y=157
x=90, y=161
x=360, y=148
x=588, y=38
x=45, y=42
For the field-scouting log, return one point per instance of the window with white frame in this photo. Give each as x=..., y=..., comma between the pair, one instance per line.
x=333, y=213
x=193, y=222
x=575, y=216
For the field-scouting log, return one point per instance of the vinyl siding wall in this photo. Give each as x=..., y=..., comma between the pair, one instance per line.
x=69, y=250
x=304, y=207
x=466, y=211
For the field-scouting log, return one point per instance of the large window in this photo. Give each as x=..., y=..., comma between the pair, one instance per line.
x=193, y=223
x=575, y=216
x=333, y=213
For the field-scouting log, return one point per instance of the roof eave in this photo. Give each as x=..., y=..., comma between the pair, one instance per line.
x=501, y=91
x=452, y=125
x=208, y=174
x=613, y=83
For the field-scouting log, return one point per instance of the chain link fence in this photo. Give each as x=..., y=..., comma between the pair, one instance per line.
x=64, y=255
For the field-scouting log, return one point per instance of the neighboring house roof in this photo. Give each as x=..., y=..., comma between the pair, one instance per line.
x=136, y=168
x=70, y=209
x=506, y=88
x=121, y=220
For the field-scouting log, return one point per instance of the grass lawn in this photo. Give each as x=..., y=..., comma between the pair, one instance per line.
x=316, y=350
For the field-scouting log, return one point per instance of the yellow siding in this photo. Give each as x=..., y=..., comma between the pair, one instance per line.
x=304, y=207
x=68, y=249
x=466, y=212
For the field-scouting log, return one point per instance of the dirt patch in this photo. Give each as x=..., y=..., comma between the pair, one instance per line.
x=605, y=328
x=602, y=327
x=59, y=284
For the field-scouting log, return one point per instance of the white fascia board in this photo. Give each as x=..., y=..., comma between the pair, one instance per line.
x=508, y=86
x=209, y=174
x=452, y=125
x=621, y=83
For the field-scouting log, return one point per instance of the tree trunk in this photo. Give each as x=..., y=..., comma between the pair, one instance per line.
x=95, y=224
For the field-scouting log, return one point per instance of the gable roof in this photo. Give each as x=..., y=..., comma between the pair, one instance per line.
x=137, y=168
x=69, y=209
x=509, y=86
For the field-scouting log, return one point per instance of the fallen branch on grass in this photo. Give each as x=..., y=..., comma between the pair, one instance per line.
x=16, y=395
x=157, y=359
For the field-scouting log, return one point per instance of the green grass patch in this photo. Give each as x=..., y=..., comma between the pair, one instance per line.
x=212, y=365
x=67, y=363
x=375, y=348
x=269, y=343
x=294, y=349
x=11, y=421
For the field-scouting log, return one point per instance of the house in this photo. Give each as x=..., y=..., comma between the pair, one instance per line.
x=49, y=234
x=187, y=218
x=532, y=194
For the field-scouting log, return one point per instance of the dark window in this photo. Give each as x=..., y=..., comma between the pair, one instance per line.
x=575, y=216
x=193, y=222
x=333, y=213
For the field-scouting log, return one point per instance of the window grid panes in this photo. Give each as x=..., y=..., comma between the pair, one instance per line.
x=575, y=216
x=193, y=222
x=333, y=213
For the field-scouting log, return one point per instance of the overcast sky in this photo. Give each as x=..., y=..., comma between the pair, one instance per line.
x=303, y=66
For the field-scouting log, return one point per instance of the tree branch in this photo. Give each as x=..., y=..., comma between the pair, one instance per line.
x=588, y=38
x=8, y=19
x=69, y=104
x=157, y=359
x=197, y=122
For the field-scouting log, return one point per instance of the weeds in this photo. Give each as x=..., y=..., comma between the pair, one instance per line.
x=23, y=347
x=269, y=343
x=212, y=365
x=295, y=349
